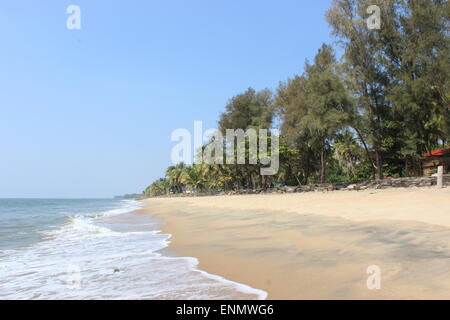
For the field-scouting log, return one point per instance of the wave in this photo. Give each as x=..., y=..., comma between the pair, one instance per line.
x=102, y=256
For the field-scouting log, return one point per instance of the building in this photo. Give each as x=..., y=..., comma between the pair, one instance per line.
x=431, y=161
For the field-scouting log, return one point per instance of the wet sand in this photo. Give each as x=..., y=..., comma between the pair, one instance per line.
x=318, y=245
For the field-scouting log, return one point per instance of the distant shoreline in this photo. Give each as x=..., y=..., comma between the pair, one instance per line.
x=318, y=245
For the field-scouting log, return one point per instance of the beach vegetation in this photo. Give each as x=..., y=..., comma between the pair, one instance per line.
x=367, y=114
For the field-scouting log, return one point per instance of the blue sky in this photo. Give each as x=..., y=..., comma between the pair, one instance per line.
x=90, y=112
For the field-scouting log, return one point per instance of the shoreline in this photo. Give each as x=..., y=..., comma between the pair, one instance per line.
x=317, y=245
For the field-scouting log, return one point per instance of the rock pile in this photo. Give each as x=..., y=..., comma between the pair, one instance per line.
x=371, y=184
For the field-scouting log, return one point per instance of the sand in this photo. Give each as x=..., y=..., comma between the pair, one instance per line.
x=318, y=245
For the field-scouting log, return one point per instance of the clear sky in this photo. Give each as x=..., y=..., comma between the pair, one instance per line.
x=90, y=112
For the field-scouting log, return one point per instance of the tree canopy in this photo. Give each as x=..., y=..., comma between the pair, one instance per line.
x=367, y=114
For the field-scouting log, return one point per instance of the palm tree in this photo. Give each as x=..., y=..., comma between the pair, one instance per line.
x=173, y=175
x=194, y=178
x=347, y=153
x=157, y=188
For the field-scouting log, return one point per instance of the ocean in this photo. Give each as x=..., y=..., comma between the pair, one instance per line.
x=97, y=249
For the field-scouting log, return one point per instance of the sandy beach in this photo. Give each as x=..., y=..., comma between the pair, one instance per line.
x=318, y=245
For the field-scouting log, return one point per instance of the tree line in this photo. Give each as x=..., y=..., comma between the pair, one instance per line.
x=369, y=114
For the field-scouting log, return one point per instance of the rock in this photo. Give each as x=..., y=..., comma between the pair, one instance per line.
x=291, y=189
x=425, y=183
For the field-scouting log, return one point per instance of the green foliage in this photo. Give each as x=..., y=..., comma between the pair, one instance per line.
x=364, y=172
x=158, y=188
x=371, y=115
x=250, y=109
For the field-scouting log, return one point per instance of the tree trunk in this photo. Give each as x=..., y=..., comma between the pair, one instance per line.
x=298, y=180
x=379, y=164
x=322, y=165
x=361, y=138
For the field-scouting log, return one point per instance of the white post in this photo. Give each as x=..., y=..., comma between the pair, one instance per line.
x=440, y=177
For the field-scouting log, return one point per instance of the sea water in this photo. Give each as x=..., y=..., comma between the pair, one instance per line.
x=97, y=249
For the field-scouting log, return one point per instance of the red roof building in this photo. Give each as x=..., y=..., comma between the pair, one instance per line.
x=430, y=161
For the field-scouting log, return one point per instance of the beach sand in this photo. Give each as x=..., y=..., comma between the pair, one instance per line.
x=318, y=245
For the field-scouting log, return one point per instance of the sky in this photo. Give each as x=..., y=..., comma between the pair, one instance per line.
x=89, y=113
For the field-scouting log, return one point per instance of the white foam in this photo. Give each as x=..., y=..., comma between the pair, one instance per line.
x=112, y=265
x=193, y=262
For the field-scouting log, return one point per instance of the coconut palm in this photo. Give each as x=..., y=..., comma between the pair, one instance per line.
x=347, y=153
x=157, y=188
x=173, y=176
x=194, y=178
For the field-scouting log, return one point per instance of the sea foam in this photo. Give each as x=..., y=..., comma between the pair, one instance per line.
x=110, y=255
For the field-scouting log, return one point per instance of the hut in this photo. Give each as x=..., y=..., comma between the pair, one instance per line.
x=431, y=161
